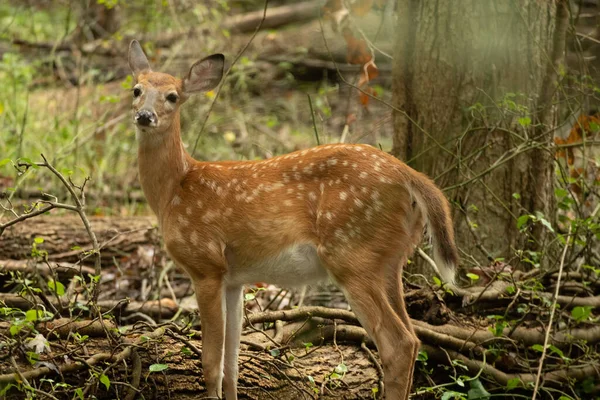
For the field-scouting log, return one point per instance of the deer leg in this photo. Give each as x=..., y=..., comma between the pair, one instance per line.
x=395, y=293
x=394, y=340
x=234, y=311
x=211, y=303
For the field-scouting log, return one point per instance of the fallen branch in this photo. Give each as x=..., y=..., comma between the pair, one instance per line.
x=78, y=365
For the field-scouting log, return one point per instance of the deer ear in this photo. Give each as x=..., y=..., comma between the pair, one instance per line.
x=205, y=74
x=137, y=59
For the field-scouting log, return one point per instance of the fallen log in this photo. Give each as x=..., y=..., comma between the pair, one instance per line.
x=275, y=17
x=66, y=240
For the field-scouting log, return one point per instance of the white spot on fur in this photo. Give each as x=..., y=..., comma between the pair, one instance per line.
x=363, y=175
x=194, y=238
x=343, y=195
x=358, y=203
x=210, y=216
x=312, y=196
x=287, y=203
x=176, y=200
x=332, y=161
x=213, y=247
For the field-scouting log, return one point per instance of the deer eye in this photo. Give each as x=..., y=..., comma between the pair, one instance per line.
x=137, y=92
x=172, y=98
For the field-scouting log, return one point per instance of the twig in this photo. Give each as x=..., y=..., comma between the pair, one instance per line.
x=378, y=367
x=312, y=115
x=560, y=269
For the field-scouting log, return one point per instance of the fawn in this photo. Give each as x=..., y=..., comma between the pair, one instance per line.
x=347, y=212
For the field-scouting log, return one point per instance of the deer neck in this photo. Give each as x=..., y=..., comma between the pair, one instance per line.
x=163, y=163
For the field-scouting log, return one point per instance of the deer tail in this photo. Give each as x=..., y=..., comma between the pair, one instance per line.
x=436, y=212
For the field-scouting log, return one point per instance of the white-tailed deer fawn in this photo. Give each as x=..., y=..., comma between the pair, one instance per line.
x=347, y=212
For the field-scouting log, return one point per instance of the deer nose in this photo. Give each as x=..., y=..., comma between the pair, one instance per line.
x=145, y=117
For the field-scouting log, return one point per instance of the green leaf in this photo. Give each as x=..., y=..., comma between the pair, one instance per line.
x=547, y=224
x=525, y=122
x=28, y=161
x=513, y=383
x=249, y=297
x=341, y=369
x=522, y=220
x=477, y=391
x=560, y=192
x=33, y=315
x=580, y=313
x=15, y=328
x=510, y=289
x=437, y=281
x=557, y=351
x=516, y=196
x=449, y=395
x=538, y=347
x=4, y=162
x=158, y=367
x=274, y=352
x=79, y=393
x=186, y=351
x=38, y=240
x=472, y=276
x=105, y=381
x=422, y=356
x=56, y=287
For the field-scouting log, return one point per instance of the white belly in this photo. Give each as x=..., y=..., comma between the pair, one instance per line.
x=294, y=266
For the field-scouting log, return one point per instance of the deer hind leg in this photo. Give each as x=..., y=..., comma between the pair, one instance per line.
x=395, y=294
x=234, y=309
x=364, y=283
x=211, y=304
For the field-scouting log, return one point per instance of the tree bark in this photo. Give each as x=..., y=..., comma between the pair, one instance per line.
x=464, y=74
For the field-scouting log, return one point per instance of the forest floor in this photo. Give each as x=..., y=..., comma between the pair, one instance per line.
x=482, y=340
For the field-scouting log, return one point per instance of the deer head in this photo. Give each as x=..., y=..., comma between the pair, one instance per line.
x=158, y=96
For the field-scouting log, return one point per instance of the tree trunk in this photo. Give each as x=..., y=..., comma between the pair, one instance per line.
x=471, y=79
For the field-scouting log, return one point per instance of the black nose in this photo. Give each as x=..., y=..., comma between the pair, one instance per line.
x=145, y=117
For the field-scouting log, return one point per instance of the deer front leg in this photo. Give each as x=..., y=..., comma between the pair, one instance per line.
x=234, y=311
x=211, y=304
